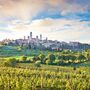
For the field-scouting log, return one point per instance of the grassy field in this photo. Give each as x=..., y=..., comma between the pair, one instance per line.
x=8, y=51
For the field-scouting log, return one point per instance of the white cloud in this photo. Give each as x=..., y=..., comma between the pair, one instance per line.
x=59, y=29
x=27, y=9
x=22, y=9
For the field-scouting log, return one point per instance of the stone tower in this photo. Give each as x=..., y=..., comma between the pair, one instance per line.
x=40, y=36
x=31, y=35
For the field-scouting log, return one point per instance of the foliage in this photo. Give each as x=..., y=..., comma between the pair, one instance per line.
x=11, y=62
x=57, y=62
x=42, y=58
x=66, y=57
x=48, y=62
x=50, y=78
x=35, y=58
x=51, y=57
x=81, y=57
x=38, y=63
x=24, y=58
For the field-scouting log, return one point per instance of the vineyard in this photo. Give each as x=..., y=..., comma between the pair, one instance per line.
x=44, y=78
x=44, y=70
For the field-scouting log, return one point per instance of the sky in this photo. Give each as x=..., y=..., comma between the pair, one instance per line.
x=63, y=20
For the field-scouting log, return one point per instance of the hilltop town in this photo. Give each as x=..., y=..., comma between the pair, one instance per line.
x=39, y=43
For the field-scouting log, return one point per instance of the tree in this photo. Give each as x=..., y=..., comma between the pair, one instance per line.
x=38, y=63
x=42, y=58
x=35, y=58
x=11, y=62
x=57, y=62
x=59, y=57
x=51, y=57
x=63, y=57
x=24, y=58
x=88, y=56
x=72, y=58
x=48, y=62
x=81, y=57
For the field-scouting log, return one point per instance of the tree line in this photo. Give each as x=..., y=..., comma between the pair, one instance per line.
x=50, y=59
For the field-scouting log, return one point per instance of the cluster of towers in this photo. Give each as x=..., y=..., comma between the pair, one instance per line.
x=31, y=37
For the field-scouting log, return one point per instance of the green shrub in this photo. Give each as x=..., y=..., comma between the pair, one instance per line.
x=48, y=62
x=51, y=57
x=42, y=58
x=38, y=63
x=23, y=58
x=57, y=62
x=35, y=58
x=81, y=57
x=11, y=62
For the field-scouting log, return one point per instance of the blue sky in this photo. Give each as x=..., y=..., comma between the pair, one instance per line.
x=63, y=20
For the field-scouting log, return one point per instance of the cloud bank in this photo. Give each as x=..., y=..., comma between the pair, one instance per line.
x=56, y=29
x=27, y=9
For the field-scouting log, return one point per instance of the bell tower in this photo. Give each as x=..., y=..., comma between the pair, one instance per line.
x=31, y=35
x=40, y=36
